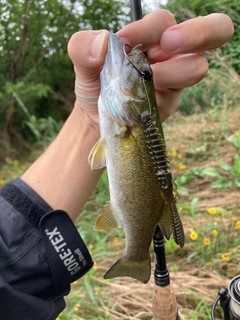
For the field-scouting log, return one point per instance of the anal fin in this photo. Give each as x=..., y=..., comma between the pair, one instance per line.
x=106, y=220
x=165, y=222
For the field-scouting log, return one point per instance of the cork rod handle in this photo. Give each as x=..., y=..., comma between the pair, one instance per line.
x=164, y=303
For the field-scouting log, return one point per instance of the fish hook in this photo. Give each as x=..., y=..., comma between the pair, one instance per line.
x=145, y=73
x=124, y=51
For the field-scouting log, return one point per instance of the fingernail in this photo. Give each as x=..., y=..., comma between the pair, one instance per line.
x=171, y=41
x=98, y=43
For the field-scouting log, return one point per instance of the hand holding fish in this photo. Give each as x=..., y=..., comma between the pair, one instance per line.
x=172, y=73
x=173, y=50
x=133, y=149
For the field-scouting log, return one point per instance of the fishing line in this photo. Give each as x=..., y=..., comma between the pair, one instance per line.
x=146, y=73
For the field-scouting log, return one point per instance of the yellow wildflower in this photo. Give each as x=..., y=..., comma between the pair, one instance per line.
x=77, y=307
x=225, y=257
x=206, y=241
x=58, y=318
x=96, y=293
x=215, y=232
x=180, y=156
x=212, y=211
x=174, y=153
x=91, y=246
x=182, y=166
x=95, y=265
x=237, y=224
x=16, y=162
x=75, y=282
x=230, y=212
x=215, y=223
x=1, y=182
x=193, y=236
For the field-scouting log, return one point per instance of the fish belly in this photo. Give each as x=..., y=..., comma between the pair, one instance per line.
x=135, y=202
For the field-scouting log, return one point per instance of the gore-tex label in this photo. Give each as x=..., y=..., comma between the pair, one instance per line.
x=67, y=254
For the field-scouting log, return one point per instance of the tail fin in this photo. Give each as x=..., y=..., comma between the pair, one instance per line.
x=140, y=270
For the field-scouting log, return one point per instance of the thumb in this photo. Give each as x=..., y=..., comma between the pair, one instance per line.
x=87, y=50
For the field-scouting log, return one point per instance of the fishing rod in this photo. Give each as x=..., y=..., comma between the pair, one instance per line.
x=136, y=10
x=164, y=300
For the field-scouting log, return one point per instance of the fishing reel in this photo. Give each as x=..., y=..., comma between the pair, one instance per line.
x=229, y=300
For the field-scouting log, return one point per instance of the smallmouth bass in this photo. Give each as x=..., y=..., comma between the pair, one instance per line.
x=133, y=149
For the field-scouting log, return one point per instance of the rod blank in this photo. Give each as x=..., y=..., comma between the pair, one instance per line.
x=136, y=8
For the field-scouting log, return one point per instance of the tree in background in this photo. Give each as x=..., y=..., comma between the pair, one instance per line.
x=221, y=86
x=186, y=9
x=36, y=74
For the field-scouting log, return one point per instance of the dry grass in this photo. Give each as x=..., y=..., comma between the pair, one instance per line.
x=206, y=129
x=194, y=286
x=127, y=299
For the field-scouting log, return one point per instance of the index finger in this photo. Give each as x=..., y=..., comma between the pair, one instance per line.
x=195, y=35
x=198, y=34
x=147, y=31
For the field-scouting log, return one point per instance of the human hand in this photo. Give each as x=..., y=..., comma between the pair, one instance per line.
x=174, y=52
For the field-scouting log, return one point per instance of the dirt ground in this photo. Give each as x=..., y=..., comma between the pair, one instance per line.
x=193, y=283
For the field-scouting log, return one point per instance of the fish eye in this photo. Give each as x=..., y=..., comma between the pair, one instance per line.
x=146, y=73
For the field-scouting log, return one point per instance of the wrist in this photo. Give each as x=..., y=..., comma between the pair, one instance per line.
x=86, y=118
x=62, y=175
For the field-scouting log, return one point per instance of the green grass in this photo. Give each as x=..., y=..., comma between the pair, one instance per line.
x=212, y=233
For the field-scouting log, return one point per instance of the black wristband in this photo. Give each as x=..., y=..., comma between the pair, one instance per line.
x=23, y=199
x=67, y=254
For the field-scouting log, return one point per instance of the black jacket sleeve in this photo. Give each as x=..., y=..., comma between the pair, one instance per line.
x=41, y=253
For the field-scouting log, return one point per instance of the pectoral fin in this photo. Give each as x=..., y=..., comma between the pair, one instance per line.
x=96, y=156
x=106, y=221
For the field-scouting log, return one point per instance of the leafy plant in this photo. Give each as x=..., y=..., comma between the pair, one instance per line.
x=44, y=129
x=235, y=140
x=34, y=59
x=227, y=175
x=190, y=210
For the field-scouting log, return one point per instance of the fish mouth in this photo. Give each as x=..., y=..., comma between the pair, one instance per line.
x=123, y=91
x=122, y=69
x=115, y=58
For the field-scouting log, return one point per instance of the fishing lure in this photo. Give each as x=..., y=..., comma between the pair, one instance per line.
x=168, y=188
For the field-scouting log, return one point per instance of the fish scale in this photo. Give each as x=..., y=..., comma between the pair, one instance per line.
x=136, y=204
